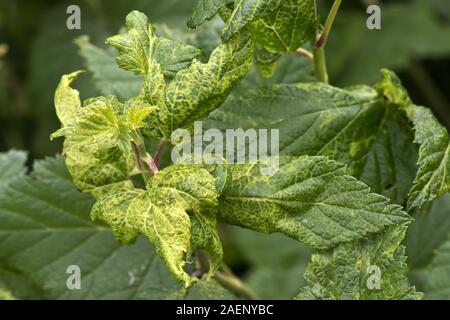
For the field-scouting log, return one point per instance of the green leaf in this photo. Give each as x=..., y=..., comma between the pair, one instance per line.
x=309, y=199
x=433, y=176
x=115, y=208
x=139, y=48
x=245, y=12
x=208, y=290
x=286, y=28
x=202, y=87
x=67, y=100
x=351, y=126
x=427, y=233
x=161, y=214
x=198, y=188
x=438, y=284
x=195, y=184
x=277, y=26
x=205, y=10
x=345, y=272
x=204, y=235
x=351, y=119
x=390, y=167
x=109, y=79
x=17, y=285
x=354, y=126
x=46, y=228
x=97, y=150
x=12, y=166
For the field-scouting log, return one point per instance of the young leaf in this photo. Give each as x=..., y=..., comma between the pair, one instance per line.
x=369, y=269
x=139, y=48
x=137, y=114
x=310, y=199
x=433, y=176
x=97, y=148
x=390, y=167
x=67, y=100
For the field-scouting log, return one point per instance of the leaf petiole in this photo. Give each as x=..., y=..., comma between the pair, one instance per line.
x=159, y=152
x=231, y=282
x=144, y=161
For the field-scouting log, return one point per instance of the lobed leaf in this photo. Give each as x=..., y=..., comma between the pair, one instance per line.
x=310, y=199
x=287, y=28
x=161, y=214
x=67, y=100
x=97, y=150
x=346, y=272
x=139, y=48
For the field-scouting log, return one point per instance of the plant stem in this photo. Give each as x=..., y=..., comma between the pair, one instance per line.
x=320, y=42
x=320, y=65
x=159, y=152
x=229, y=281
x=144, y=161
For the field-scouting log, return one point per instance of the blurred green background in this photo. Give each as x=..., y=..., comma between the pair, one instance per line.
x=36, y=48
